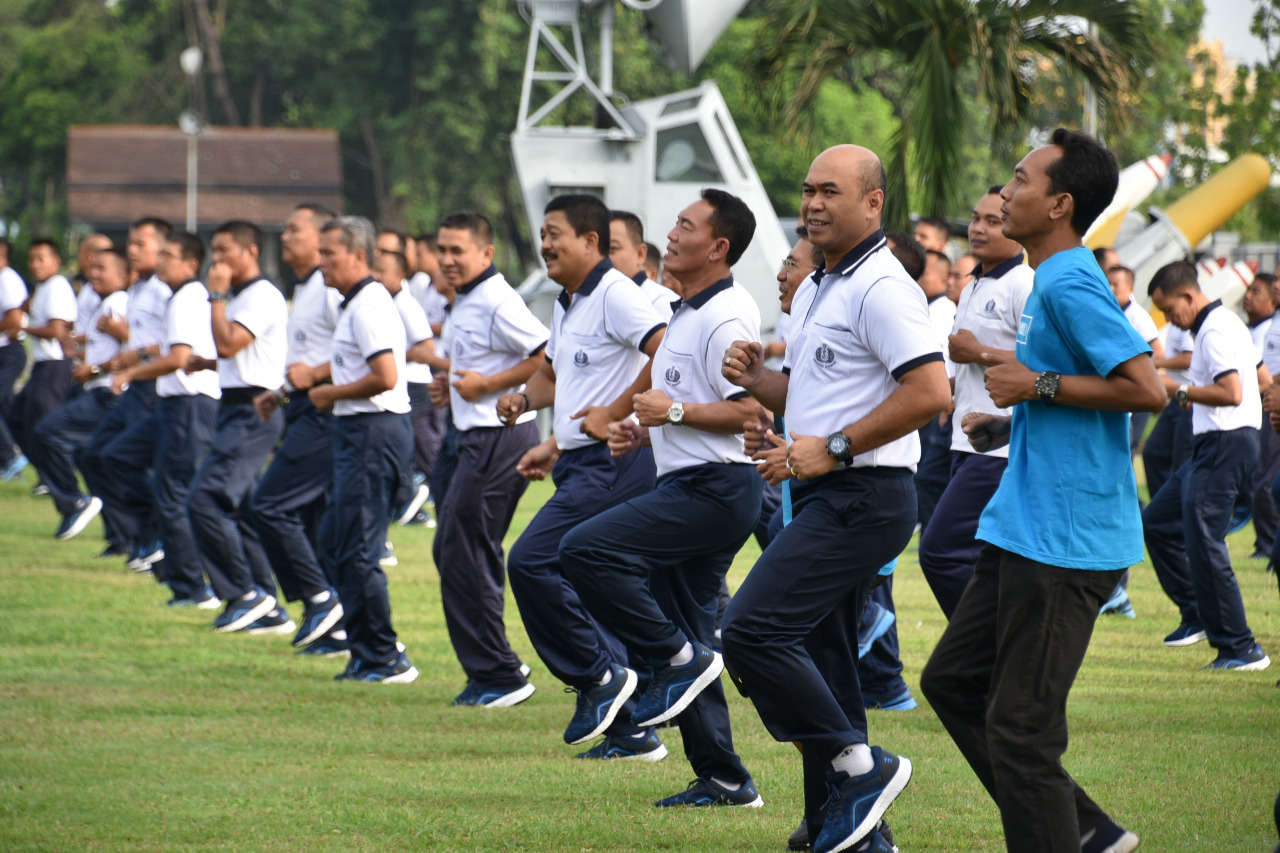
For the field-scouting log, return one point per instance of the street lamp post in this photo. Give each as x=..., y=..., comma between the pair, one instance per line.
x=191, y=123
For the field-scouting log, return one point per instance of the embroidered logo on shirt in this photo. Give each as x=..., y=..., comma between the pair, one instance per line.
x=672, y=376
x=580, y=358
x=337, y=359
x=990, y=307
x=824, y=355
x=300, y=335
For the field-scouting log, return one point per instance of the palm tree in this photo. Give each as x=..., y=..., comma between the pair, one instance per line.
x=926, y=45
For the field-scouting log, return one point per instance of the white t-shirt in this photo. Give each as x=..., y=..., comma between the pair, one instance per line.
x=990, y=307
x=87, y=301
x=1258, y=334
x=188, y=322
x=491, y=330
x=659, y=297
x=258, y=306
x=1178, y=341
x=597, y=347
x=99, y=347
x=687, y=368
x=416, y=330
x=52, y=300
x=866, y=324
x=1141, y=321
x=1223, y=346
x=13, y=292
x=432, y=301
x=366, y=329
x=148, y=298
x=942, y=314
x=312, y=318
x=1271, y=350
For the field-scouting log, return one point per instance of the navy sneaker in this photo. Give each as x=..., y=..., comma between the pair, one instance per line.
x=672, y=688
x=858, y=802
x=623, y=748
x=242, y=612
x=388, y=560
x=799, y=840
x=318, y=619
x=493, y=697
x=400, y=672
x=1119, y=604
x=903, y=701
x=405, y=513
x=1186, y=635
x=599, y=704
x=75, y=523
x=112, y=551
x=203, y=600
x=145, y=556
x=327, y=646
x=39, y=490
x=879, y=620
x=13, y=470
x=1251, y=661
x=1239, y=518
x=275, y=622
x=422, y=519
x=704, y=792
x=1109, y=838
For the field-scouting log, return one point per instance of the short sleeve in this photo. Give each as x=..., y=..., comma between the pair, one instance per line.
x=1144, y=325
x=1092, y=324
x=62, y=300
x=557, y=321
x=894, y=321
x=720, y=340
x=416, y=327
x=629, y=318
x=515, y=329
x=249, y=309
x=1218, y=354
x=372, y=333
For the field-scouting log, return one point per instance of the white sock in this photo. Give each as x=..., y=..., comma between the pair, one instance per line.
x=608, y=676
x=854, y=760
x=683, y=656
x=728, y=786
x=319, y=597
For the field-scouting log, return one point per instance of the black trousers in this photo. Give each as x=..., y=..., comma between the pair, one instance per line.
x=184, y=431
x=427, y=432
x=370, y=452
x=290, y=499
x=46, y=389
x=114, y=463
x=57, y=437
x=1168, y=446
x=219, y=501
x=934, y=469
x=650, y=571
x=13, y=360
x=478, y=507
x=948, y=548
x=1265, y=517
x=999, y=680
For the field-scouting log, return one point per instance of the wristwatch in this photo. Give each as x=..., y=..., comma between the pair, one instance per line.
x=838, y=448
x=218, y=296
x=1047, y=386
x=1182, y=395
x=675, y=414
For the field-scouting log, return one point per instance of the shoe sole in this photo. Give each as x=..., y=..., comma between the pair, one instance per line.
x=417, y=502
x=208, y=604
x=1252, y=666
x=333, y=653
x=409, y=675
x=141, y=565
x=250, y=616
x=88, y=514
x=515, y=697
x=1126, y=843
x=892, y=789
x=878, y=630
x=389, y=562
x=700, y=683
x=628, y=687
x=320, y=630
x=1199, y=637
x=282, y=628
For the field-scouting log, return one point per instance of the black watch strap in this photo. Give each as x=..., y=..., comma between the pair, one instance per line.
x=1047, y=386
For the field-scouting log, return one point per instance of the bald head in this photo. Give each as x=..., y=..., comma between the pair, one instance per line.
x=858, y=161
x=842, y=199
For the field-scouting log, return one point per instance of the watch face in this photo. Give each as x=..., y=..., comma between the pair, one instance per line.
x=838, y=445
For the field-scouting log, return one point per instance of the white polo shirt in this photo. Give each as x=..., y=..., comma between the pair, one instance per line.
x=99, y=347
x=87, y=301
x=188, y=322
x=51, y=300
x=597, y=345
x=1271, y=350
x=13, y=292
x=1223, y=346
x=312, y=318
x=942, y=314
x=1141, y=321
x=687, y=368
x=416, y=330
x=258, y=306
x=148, y=298
x=367, y=329
x=659, y=297
x=864, y=326
x=1258, y=334
x=1178, y=341
x=433, y=302
x=990, y=307
x=491, y=330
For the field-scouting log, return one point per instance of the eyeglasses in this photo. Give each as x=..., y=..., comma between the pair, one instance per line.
x=789, y=263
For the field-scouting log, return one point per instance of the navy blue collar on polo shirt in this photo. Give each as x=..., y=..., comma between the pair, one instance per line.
x=999, y=269
x=1204, y=312
x=351, y=294
x=640, y=278
x=859, y=253
x=471, y=285
x=936, y=297
x=240, y=288
x=588, y=284
x=303, y=279
x=701, y=298
x=1125, y=307
x=185, y=283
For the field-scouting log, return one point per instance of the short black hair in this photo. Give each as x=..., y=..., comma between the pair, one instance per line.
x=468, y=220
x=402, y=263
x=319, y=212
x=940, y=224
x=1265, y=277
x=995, y=190
x=162, y=227
x=245, y=233
x=586, y=214
x=46, y=241
x=1179, y=275
x=1123, y=270
x=117, y=254
x=1088, y=171
x=732, y=220
x=1100, y=253
x=931, y=253
x=430, y=240
x=635, y=228
x=816, y=257
x=908, y=251
x=401, y=240
x=652, y=253
x=192, y=248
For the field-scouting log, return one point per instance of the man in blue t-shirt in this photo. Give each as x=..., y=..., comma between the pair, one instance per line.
x=1063, y=526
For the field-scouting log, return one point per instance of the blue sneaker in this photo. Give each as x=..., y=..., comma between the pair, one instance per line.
x=1119, y=604
x=799, y=840
x=75, y=523
x=318, y=620
x=1251, y=661
x=903, y=701
x=704, y=792
x=1109, y=838
x=878, y=620
x=857, y=803
x=388, y=560
x=145, y=556
x=1239, y=518
x=599, y=704
x=405, y=513
x=242, y=612
x=275, y=622
x=203, y=600
x=13, y=470
x=1186, y=635
x=672, y=688
x=493, y=697
x=400, y=672
x=329, y=646
x=623, y=748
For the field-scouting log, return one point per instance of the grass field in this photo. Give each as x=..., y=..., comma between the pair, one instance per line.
x=127, y=726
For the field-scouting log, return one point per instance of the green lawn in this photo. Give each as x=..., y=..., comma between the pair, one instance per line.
x=126, y=726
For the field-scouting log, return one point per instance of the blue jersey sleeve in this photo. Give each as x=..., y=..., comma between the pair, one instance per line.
x=1092, y=324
